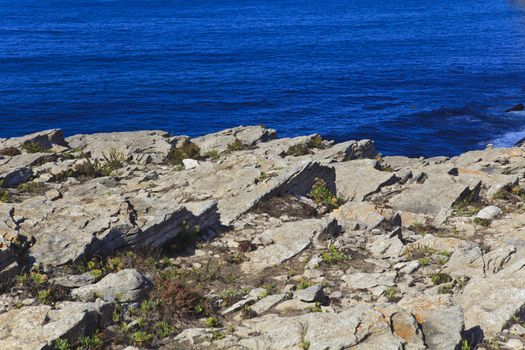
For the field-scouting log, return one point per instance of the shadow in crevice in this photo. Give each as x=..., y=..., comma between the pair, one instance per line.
x=474, y=336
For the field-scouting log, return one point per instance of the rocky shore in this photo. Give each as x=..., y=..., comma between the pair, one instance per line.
x=242, y=240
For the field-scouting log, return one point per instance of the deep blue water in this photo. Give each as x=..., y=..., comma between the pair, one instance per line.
x=420, y=77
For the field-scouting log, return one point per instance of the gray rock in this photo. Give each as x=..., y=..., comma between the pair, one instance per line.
x=45, y=139
x=357, y=179
x=288, y=240
x=248, y=135
x=267, y=303
x=489, y=213
x=311, y=294
x=190, y=163
x=142, y=147
x=125, y=286
x=37, y=327
x=74, y=281
x=443, y=328
x=362, y=280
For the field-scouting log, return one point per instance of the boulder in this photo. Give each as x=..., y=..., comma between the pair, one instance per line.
x=489, y=213
x=43, y=139
x=127, y=285
x=37, y=327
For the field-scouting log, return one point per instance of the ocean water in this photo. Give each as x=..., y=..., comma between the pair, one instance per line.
x=419, y=77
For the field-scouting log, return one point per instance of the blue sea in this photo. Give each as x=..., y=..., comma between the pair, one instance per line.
x=419, y=77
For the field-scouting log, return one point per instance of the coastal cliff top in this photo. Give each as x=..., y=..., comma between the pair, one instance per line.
x=243, y=240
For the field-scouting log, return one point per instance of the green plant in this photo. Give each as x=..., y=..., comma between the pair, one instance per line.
x=90, y=342
x=62, y=344
x=33, y=187
x=305, y=344
x=390, y=294
x=44, y=296
x=315, y=308
x=445, y=289
x=114, y=264
x=465, y=345
x=440, y=278
x=187, y=150
x=4, y=196
x=141, y=337
x=114, y=160
x=333, y=256
x=304, y=283
x=97, y=273
x=482, y=222
x=33, y=147
x=215, y=335
x=213, y=322
x=213, y=155
x=163, y=329
x=425, y=261
x=320, y=193
x=236, y=145
x=264, y=176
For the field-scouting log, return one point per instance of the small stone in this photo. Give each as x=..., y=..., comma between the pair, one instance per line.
x=310, y=294
x=258, y=293
x=517, y=329
x=53, y=195
x=489, y=212
x=190, y=163
x=514, y=344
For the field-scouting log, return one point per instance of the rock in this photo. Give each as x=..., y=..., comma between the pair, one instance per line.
x=362, y=280
x=267, y=303
x=346, y=151
x=53, y=195
x=190, y=163
x=364, y=215
x=74, y=281
x=44, y=139
x=489, y=302
x=125, y=286
x=445, y=191
x=489, y=213
x=288, y=240
x=443, y=328
x=36, y=327
x=405, y=326
x=142, y=147
x=517, y=329
x=385, y=247
x=357, y=179
x=247, y=135
x=514, y=344
x=516, y=108
x=320, y=330
x=311, y=294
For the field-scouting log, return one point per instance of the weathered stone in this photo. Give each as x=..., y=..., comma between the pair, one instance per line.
x=267, y=303
x=141, y=146
x=488, y=213
x=357, y=179
x=248, y=135
x=349, y=150
x=37, y=327
x=362, y=280
x=44, y=139
x=288, y=240
x=125, y=286
x=491, y=301
x=74, y=281
x=443, y=328
x=310, y=294
x=365, y=215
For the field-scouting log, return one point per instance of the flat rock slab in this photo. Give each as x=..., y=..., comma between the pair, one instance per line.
x=288, y=240
x=357, y=179
x=247, y=135
x=141, y=146
x=491, y=301
x=328, y=331
x=438, y=192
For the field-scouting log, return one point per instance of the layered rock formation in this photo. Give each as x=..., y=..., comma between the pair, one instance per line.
x=242, y=240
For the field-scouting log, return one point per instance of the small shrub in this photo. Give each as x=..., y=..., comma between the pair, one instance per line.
x=465, y=345
x=62, y=344
x=298, y=150
x=33, y=147
x=114, y=160
x=303, y=284
x=333, y=256
x=305, y=345
x=213, y=322
x=390, y=294
x=90, y=342
x=440, y=278
x=482, y=222
x=247, y=312
x=163, y=329
x=44, y=296
x=315, y=308
x=33, y=188
x=5, y=197
x=217, y=335
x=187, y=150
x=236, y=145
x=141, y=338
x=10, y=152
x=320, y=193
x=213, y=155
x=445, y=289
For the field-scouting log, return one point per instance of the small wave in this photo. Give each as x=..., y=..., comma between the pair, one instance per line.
x=508, y=139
